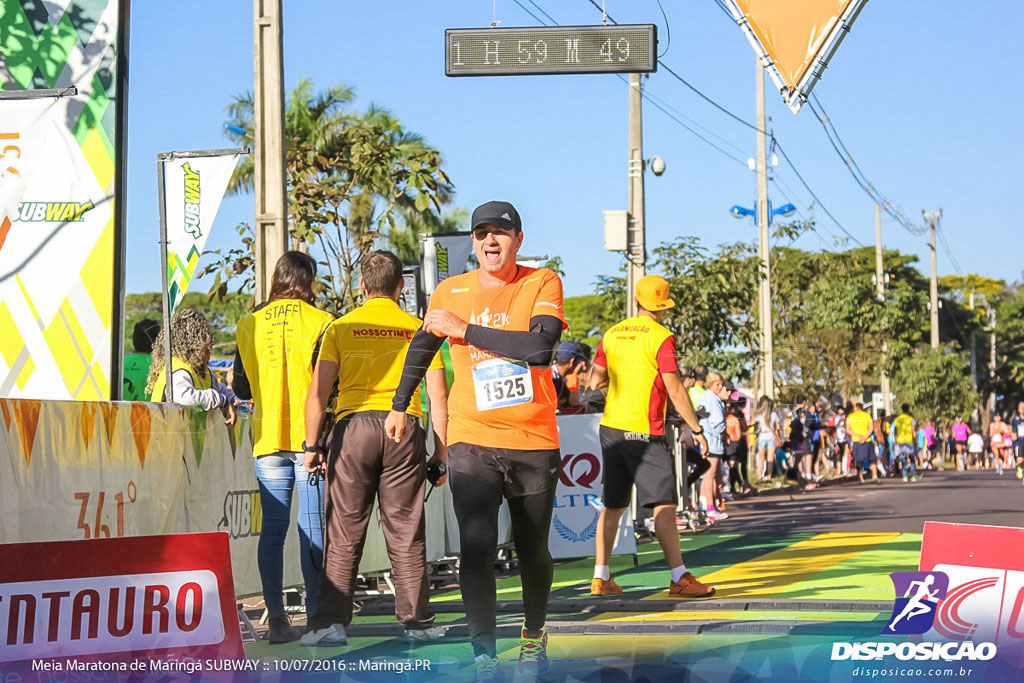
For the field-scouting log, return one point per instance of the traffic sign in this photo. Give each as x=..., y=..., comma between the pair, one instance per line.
x=630, y=48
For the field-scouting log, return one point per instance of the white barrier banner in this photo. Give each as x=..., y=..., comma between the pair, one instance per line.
x=578, y=502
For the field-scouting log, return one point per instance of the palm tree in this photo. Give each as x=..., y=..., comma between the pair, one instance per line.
x=311, y=118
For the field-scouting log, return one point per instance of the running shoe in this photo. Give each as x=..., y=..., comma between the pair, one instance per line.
x=533, y=655
x=689, y=587
x=1020, y=472
x=488, y=669
x=425, y=634
x=332, y=636
x=602, y=587
x=906, y=478
x=716, y=515
x=913, y=479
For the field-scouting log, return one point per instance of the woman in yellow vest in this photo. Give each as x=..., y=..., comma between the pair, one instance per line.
x=277, y=348
x=192, y=383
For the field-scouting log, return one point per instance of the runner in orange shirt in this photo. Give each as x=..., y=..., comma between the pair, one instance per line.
x=502, y=321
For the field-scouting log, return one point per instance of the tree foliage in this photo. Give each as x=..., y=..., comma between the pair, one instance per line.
x=936, y=384
x=354, y=177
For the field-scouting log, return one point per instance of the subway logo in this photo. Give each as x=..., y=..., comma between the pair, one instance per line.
x=53, y=212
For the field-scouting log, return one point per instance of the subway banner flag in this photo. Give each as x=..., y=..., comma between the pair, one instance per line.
x=193, y=190
x=61, y=227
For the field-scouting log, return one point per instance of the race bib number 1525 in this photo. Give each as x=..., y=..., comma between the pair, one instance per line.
x=499, y=383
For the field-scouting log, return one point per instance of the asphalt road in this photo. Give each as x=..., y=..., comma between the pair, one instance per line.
x=973, y=497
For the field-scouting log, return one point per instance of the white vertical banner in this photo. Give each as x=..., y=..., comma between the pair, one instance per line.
x=579, y=496
x=53, y=214
x=193, y=189
x=23, y=138
x=444, y=256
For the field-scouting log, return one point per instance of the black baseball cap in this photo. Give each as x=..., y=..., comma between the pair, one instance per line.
x=501, y=214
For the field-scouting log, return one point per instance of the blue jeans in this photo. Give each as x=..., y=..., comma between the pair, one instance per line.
x=278, y=476
x=905, y=456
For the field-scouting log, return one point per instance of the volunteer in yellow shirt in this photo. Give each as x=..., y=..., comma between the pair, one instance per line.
x=364, y=352
x=858, y=425
x=273, y=365
x=636, y=360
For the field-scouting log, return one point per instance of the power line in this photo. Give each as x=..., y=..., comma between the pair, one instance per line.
x=541, y=10
x=807, y=187
x=949, y=252
x=695, y=123
x=535, y=18
x=668, y=30
x=891, y=208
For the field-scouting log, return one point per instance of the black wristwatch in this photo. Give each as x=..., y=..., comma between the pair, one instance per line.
x=695, y=433
x=310, y=449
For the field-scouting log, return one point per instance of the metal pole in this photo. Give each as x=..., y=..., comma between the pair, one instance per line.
x=764, y=297
x=166, y=300
x=269, y=179
x=932, y=217
x=880, y=293
x=636, y=253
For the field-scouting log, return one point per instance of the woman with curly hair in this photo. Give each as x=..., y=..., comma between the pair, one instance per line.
x=192, y=382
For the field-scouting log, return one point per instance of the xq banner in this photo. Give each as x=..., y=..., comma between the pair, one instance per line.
x=61, y=228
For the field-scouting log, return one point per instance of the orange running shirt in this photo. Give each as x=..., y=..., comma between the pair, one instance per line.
x=489, y=403
x=636, y=352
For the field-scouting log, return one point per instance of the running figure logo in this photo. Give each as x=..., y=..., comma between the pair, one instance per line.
x=917, y=597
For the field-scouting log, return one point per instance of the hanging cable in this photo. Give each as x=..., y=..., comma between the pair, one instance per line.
x=668, y=31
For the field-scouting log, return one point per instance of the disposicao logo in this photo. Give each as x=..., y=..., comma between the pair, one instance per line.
x=919, y=599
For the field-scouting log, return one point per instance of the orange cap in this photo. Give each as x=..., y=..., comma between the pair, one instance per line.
x=652, y=293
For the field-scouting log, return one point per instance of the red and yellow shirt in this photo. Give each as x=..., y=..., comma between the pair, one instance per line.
x=635, y=352
x=529, y=425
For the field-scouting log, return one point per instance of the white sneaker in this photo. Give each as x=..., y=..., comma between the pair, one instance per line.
x=717, y=514
x=429, y=633
x=332, y=636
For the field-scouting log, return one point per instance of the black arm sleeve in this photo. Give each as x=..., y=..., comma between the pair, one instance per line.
x=421, y=351
x=239, y=380
x=536, y=347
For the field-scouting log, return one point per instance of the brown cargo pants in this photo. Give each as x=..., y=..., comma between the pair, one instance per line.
x=363, y=465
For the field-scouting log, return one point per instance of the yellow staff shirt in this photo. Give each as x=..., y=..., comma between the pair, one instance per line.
x=276, y=344
x=369, y=345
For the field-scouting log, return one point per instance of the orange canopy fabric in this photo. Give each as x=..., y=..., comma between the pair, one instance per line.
x=793, y=31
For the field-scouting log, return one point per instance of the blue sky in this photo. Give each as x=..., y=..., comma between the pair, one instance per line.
x=924, y=94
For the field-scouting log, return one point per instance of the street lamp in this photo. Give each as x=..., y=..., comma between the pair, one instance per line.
x=738, y=211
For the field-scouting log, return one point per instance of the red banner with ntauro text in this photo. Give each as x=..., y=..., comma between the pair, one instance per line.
x=131, y=608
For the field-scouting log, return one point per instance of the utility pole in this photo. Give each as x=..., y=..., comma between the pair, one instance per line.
x=636, y=252
x=974, y=345
x=269, y=180
x=764, y=292
x=991, y=360
x=880, y=294
x=934, y=217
